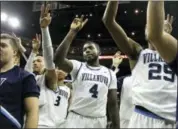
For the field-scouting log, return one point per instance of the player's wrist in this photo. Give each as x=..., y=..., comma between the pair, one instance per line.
x=73, y=31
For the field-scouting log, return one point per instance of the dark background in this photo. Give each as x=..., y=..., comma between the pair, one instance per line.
x=64, y=12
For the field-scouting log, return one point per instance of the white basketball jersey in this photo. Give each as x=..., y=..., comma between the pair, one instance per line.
x=126, y=105
x=155, y=85
x=54, y=104
x=90, y=89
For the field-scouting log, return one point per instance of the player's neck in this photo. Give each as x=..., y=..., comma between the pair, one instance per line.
x=150, y=46
x=7, y=66
x=61, y=83
x=94, y=64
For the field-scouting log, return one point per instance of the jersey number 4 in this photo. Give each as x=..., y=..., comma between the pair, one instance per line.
x=155, y=72
x=58, y=101
x=94, y=91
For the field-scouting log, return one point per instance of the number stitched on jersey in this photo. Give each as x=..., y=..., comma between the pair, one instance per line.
x=58, y=101
x=94, y=91
x=155, y=72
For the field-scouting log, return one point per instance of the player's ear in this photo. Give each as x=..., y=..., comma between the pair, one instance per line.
x=15, y=53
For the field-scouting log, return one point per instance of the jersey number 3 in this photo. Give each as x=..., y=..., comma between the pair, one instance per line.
x=94, y=91
x=58, y=101
x=155, y=72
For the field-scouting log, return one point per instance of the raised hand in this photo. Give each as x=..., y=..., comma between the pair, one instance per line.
x=45, y=18
x=19, y=43
x=168, y=23
x=36, y=42
x=78, y=23
x=117, y=59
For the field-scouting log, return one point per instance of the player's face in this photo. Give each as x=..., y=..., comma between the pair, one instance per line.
x=90, y=52
x=7, y=52
x=38, y=64
x=61, y=75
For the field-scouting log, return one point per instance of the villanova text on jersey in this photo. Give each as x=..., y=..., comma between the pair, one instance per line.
x=151, y=57
x=97, y=78
x=63, y=93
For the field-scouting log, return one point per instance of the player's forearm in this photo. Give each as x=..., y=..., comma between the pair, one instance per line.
x=110, y=12
x=31, y=120
x=114, y=114
x=118, y=34
x=155, y=19
x=29, y=64
x=63, y=48
x=47, y=49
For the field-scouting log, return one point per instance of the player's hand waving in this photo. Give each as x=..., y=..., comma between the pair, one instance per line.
x=45, y=18
x=19, y=43
x=36, y=42
x=117, y=59
x=168, y=24
x=78, y=23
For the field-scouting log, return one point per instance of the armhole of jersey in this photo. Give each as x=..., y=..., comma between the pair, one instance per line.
x=110, y=78
x=77, y=73
x=138, y=59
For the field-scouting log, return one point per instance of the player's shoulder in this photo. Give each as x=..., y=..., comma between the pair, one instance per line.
x=107, y=69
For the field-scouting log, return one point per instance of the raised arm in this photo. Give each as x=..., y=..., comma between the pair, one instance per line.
x=35, y=48
x=61, y=53
x=126, y=45
x=50, y=75
x=165, y=44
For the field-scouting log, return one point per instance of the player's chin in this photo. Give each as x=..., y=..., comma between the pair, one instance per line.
x=36, y=70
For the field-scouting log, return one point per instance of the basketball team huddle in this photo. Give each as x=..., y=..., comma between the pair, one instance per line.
x=38, y=96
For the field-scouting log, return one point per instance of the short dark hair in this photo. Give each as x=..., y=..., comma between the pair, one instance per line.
x=97, y=45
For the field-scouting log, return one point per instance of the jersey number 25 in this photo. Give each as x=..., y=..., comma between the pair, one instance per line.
x=156, y=70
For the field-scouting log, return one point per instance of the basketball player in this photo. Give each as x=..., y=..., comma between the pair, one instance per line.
x=124, y=89
x=35, y=63
x=153, y=81
x=164, y=43
x=18, y=89
x=92, y=84
x=54, y=95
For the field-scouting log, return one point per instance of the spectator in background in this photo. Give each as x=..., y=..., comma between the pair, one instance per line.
x=18, y=90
